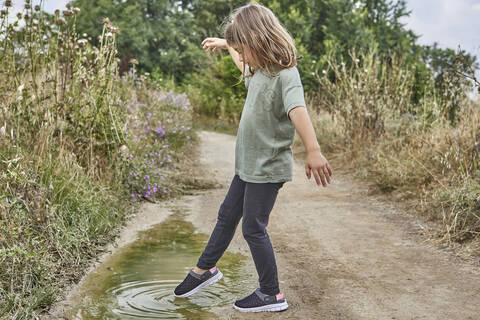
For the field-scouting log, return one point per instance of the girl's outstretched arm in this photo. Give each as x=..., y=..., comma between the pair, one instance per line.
x=218, y=43
x=315, y=161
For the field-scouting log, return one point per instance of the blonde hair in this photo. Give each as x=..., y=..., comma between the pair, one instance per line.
x=256, y=27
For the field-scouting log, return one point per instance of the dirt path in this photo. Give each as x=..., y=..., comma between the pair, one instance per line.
x=342, y=255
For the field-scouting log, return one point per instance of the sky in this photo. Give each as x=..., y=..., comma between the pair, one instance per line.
x=449, y=22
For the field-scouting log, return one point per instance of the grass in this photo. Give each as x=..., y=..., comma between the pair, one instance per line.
x=413, y=152
x=80, y=146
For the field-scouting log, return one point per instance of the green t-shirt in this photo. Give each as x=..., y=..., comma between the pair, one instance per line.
x=265, y=132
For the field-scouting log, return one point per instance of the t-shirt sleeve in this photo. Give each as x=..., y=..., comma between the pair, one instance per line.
x=292, y=91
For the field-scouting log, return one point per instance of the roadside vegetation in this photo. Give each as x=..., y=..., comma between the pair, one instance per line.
x=80, y=145
x=424, y=154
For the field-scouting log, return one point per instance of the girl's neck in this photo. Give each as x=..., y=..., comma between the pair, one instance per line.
x=270, y=70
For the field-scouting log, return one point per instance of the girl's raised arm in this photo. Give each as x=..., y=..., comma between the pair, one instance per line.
x=218, y=43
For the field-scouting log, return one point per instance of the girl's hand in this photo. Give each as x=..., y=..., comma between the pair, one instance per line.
x=215, y=43
x=316, y=162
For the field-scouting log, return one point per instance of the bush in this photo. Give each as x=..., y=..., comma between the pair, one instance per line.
x=367, y=116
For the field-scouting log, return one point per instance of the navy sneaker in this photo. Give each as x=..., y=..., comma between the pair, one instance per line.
x=257, y=302
x=194, y=282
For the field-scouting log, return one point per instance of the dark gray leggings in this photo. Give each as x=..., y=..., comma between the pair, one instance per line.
x=253, y=202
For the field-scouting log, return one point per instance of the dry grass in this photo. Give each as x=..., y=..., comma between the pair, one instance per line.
x=413, y=152
x=65, y=115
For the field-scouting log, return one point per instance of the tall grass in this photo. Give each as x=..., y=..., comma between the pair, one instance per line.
x=366, y=116
x=79, y=144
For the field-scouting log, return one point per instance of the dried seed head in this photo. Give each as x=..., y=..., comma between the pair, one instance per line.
x=27, y=6
x=8, y=3
x=3, y=130
x=133, y=61
x=19, y=16
x=82, y=42
x=68, y=5
x=61, y=21
x=109, y=35
x=114, y=30
x=76, y=10
x=67, y=13
x=26, y=17
x=57, y=12
x=106, y=20
x=37, y=8
x=3, y=13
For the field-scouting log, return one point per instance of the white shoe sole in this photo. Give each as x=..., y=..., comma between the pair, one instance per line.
x=268, y=307
x=210, y=281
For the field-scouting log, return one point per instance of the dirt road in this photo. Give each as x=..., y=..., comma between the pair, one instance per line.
x=342, y=254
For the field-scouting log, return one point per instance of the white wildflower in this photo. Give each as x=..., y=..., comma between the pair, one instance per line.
x=81, y=42
x=20, y=89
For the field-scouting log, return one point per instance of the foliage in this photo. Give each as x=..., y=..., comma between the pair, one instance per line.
x=419, y=157
x=165, y=37
x=156, y=33
x=366, y=94
x=64, y=118
x=157, y=128
x=216, y=91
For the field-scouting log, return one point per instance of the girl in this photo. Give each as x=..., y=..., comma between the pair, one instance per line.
x=274, y=108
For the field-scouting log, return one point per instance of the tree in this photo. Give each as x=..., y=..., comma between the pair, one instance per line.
x=158, y=33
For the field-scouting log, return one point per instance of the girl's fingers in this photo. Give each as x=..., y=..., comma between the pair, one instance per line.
x=327, y=174
x=329, y=170
x=317, y=177
x=322, y=177
x=307, y=171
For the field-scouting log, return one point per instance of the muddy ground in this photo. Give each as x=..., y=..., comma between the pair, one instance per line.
x=341, y=253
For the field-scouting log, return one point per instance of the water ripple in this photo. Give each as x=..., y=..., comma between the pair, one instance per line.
x=155, y=299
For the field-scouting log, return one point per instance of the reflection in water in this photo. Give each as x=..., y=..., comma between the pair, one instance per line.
x=138, y=281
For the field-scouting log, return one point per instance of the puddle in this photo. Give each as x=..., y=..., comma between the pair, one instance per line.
x=138, y=281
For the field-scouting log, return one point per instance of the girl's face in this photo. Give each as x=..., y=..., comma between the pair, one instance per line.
x=246, y=53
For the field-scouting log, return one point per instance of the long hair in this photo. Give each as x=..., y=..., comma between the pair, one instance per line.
x=256, y=27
